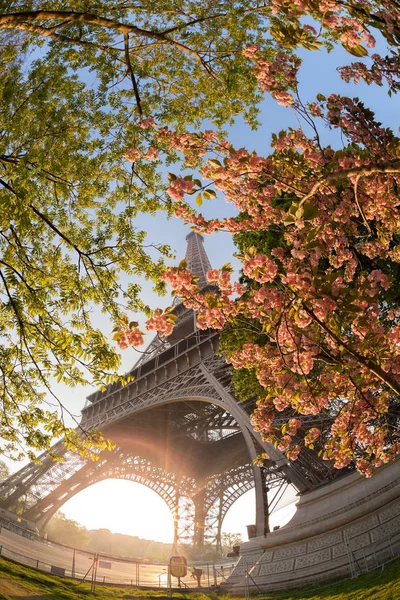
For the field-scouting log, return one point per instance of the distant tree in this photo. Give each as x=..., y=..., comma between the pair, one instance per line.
x=231, y=539
x=101, y=541
x=67, y=531
x=118, y=544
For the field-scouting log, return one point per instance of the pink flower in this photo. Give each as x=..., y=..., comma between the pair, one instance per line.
x=132, y=155
x=293, y=454
x=162, y=323
x=179, y=187
x=212, y=275
x=130, y=337
x=251, y=51
x=147, y=123
x=261, y=268
x=380, y=277
x=152, y=154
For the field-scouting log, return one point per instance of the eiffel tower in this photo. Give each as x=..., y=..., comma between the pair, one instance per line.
x=178, y=430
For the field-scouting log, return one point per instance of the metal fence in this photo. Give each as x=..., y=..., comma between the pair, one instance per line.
x=29, y=549
x=35, y=552
x=361, y=560
x=373, y=556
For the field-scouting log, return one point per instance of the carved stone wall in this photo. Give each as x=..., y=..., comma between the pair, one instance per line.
x=349, y=527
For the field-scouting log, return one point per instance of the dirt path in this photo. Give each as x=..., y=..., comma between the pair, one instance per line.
x=12, y=590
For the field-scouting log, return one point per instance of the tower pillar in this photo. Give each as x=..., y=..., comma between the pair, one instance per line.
x=199, y=519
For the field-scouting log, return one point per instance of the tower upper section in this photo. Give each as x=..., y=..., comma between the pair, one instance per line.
x=198, y=264
x=196, y=258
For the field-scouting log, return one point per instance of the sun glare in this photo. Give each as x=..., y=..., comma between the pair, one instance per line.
x=122, y=507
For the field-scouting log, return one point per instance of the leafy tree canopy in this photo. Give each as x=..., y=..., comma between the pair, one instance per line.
x=79, y=83
x=229, y=540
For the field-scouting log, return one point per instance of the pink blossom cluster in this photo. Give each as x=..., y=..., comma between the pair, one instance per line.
x=252, y=51
x=180, y=280
x=293, y=452
x=132, y=155
x=161, y=323
x=277, y=76
x=212, y=275
x=212, y=311
x=297, y=316
x=151, y=154
x=129, y=337
x=261, y=268
x=179, y=187
x=147, y=123
x=353, y=32
x=312, y=435
x=383, y=70
x=135, y=154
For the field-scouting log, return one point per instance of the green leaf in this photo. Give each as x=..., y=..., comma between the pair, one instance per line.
x=355, y=50
x=299, y=212
x=214, y=162
x=227, y=267
x=310, y=211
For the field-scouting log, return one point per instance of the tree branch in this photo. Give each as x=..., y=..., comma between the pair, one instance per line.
x=23, y=20
x=368, y=364
x=389, y=167
x=132, y=75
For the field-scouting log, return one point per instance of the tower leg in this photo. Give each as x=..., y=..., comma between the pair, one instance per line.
x=218, y=537
x=199, y=520
x=176, y=522
x=265, y=490
x=262, y=526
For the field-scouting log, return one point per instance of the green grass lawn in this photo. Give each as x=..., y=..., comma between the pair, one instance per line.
x=20, y=583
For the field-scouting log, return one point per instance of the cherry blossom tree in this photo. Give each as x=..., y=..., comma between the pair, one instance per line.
x=313, y=328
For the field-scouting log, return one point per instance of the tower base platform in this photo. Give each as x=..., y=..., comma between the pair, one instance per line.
x=340, y=530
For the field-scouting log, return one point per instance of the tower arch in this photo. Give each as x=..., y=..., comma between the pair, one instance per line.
x=139, y=471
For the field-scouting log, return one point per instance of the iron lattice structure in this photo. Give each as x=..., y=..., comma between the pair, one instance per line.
x=179, y=431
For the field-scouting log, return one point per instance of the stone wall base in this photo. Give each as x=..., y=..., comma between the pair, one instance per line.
x=356, y=527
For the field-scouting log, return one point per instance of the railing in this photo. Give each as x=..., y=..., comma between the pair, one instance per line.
x=371, y=559
x=32, y=551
